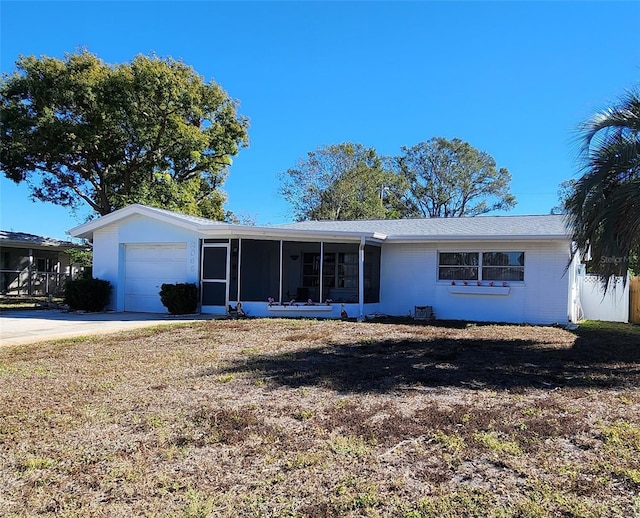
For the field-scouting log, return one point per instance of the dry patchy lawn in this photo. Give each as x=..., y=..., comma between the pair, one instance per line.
x=312, y=418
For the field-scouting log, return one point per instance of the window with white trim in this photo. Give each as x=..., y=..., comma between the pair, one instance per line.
x=481, y=266
x=503, y=266
x=458, y=266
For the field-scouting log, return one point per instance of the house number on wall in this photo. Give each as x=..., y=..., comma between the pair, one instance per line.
x=192, y=256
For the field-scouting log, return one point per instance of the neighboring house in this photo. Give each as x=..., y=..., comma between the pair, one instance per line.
x=488, y=268
x=34, y=265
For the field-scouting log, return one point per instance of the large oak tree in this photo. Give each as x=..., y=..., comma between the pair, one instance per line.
x=150, y=131
x=451, y=178
x=437, y=178
x=340, y=182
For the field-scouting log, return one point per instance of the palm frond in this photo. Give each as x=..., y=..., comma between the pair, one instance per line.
x=604, y=209
x=623, y=117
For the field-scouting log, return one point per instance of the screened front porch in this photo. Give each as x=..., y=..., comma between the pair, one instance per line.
x=300, y=274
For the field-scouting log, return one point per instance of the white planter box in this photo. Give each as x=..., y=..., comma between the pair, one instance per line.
x=479, y=290
x=300, y=309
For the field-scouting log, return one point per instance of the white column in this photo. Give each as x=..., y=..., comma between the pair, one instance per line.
x=29, y=273
x=58, y=274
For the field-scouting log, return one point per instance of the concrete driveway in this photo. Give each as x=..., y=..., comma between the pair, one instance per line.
x=30, y=326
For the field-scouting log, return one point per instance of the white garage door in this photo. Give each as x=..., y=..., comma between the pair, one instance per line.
x=147, y=268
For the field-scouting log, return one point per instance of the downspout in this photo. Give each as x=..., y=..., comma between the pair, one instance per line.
x=576, y=290
x=281, y=271
x=239, y=265
x=321, y=286
x=227, y=280
x=361, y=279
x=573, y=293
x=199, y=261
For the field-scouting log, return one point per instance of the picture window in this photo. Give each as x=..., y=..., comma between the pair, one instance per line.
x=481, y=266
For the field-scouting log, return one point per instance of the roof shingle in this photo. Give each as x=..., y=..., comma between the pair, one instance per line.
x=480, y=226
x=31, y=239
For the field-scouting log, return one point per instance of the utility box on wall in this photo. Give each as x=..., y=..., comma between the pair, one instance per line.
x=423, y=313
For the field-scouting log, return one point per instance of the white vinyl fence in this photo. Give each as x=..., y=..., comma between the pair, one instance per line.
x=612, y=306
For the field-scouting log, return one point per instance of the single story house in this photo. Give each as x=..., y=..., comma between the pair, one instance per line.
x=34, y=265
x=487, y=268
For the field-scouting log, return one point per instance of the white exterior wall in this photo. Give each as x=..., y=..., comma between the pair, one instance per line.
x=109, y=245
x=106, y=259
x=408, y=274
x=547, y=282
x=409, y=278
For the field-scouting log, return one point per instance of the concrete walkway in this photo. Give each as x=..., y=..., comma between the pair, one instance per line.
x=30, y=326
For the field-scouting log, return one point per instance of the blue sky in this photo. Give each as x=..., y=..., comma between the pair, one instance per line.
x=511, y=78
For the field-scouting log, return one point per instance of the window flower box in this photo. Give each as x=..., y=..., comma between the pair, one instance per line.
x=300, y=308
x=479, y=290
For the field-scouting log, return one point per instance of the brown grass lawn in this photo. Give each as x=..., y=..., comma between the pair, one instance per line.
x=324, y=418
x=11, y=303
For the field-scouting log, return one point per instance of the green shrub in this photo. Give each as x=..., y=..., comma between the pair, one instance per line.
x=179, y=299
x=87, y=294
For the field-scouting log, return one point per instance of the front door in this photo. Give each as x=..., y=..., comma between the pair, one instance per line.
x=215, y=278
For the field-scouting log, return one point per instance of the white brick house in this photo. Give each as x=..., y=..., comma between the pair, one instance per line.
x=487, y=268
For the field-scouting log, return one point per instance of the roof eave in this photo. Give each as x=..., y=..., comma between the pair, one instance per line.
x=40, y=246
x=501, y=237
x=264, y=232
x=87, y=229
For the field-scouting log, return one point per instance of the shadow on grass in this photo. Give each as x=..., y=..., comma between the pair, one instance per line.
x=606, y=359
